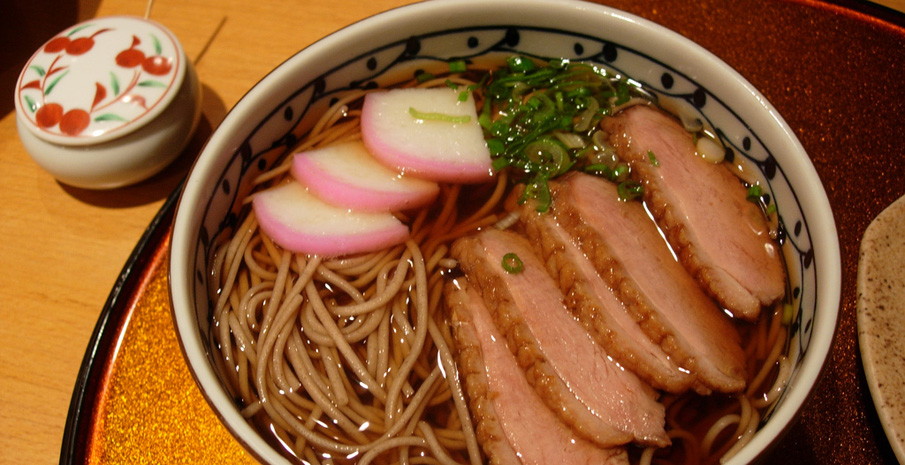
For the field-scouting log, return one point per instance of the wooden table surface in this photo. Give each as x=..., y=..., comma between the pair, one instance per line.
x=62, y=248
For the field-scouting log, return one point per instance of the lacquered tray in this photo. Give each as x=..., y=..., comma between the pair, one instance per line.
x=135, y=400
x=835, y=71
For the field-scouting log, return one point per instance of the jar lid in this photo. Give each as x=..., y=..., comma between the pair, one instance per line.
x=100, y=80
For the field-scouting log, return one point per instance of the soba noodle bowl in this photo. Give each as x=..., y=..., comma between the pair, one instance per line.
x=351, y=360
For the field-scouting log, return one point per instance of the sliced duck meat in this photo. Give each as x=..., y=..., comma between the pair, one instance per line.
x=720, y=237
x=632, y=257
x=513, y=426
x=571, y=373
x=596, y=306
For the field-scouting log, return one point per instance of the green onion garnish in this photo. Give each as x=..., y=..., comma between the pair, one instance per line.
x=428, y=116
x=457, y=66
x=496, y=147
x=519, y=64
x=622, y=93
x=621, y=172
x=512, y=264
x=788, y=314
x=597, y=168
x=629, y=190
x=653, y=158
x=529, y=110
x=754, y=192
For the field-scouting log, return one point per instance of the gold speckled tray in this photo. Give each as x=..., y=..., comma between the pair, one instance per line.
x=135, y=400
x=834, y=70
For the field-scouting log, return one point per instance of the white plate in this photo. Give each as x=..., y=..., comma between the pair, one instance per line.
x=881, y=319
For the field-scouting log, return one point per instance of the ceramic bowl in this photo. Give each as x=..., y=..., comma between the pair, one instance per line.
x=107, y=102
x=266, y=123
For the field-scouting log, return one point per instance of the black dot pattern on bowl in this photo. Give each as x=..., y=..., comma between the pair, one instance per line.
x=699, y=98
x=288, y=114
x=372, y=63
x=610, y=52
x=319, y=85
x=246, y=153
x=412, y=46
x=579, y=49
x=204, y=237
x=666, y=80
x=803, y=331
x=232, y=220
x=781, y=233
x=769, y=167
x=746, y=143
x=512, y=37
x=473, y=42
x=729, y=154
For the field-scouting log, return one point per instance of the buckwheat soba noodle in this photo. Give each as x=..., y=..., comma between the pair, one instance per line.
x=351, y=359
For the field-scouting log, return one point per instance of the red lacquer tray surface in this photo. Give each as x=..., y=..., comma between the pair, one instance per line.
x=836, y=73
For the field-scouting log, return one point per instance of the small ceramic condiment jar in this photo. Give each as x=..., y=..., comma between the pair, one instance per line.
x=108, y=102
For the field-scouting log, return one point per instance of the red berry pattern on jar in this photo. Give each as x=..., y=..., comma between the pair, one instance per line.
x=74, y=121
x=131, y=57
x=140, y=66
x=57, y=44
x=49, y=115
x=157, y=65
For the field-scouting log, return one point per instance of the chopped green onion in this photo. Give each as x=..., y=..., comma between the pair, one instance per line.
x=499, y=163
x=485, y=121
x=622, y=93
x=533, y=112
x=621, y=172
x=519, y=64
x=629, y=190
x=559, y=63
x=496, y=146
x=550, y=154
x=427, y=116
x=788, y=314
x=754, y=192
x=457, y=66
x=499, y=128
x=771, y=209
x=449, y=83
x=512, y=263
x=599, y=168
x=653, y=158
x=424, y=77
x=542, y=195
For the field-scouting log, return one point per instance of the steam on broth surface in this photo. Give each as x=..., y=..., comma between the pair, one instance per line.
x=351, y=359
